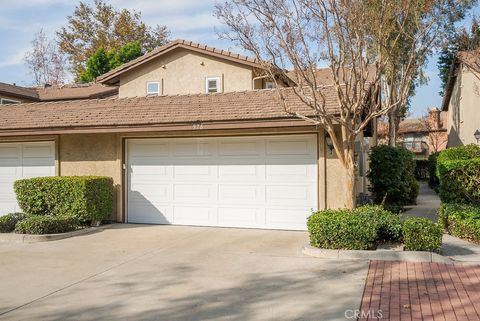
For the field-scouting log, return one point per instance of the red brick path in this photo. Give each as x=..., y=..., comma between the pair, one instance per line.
x=421, y=291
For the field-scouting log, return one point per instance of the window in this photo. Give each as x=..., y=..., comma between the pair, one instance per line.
x=213, y=85
x=269, y=85
x=5, y=101
x=153, y=88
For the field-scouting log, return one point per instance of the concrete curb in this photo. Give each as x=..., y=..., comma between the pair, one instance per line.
x=384, y=255
x=31, y=238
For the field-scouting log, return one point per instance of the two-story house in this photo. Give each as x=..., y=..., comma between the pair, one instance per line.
x=462, y=99
x=196, y=137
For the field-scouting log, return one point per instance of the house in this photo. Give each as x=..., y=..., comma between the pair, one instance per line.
x=462, y=99
x=195, y=137
x=423, y=136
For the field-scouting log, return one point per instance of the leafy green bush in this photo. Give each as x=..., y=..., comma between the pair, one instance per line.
x=421, y=234
x=358, y=229
x=86, y=198
x=8, y=222
x=392, y=175
x=433, y=180
x=458, y=169
x=461, y=220
x=46, y=224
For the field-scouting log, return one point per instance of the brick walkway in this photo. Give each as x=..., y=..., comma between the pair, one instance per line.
x=421, y=291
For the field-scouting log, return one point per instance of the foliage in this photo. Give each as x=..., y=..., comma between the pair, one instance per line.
x=392, y=175
x=101, y=25
x=421, y=169
x=102, y=61
x=358, y=229
x=433, y=180
x=460, y=220
x=46, y=224
x=458, y=169
x=45, y=62
x=8, y=221
x=421, y=234
x=86, y=198
x=460, y=40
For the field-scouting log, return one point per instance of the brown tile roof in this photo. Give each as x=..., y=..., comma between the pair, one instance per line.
x=324, y=76
x=111, y=76
x=148, y=111
x=471, y=59
x=17, y=91
x=76, y=91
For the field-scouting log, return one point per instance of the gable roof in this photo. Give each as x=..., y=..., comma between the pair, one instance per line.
x=111, y=77
x=471, y=59
x=18, y=91
x=153, y=112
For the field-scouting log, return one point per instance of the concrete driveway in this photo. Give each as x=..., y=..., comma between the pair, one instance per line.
x=136, y=272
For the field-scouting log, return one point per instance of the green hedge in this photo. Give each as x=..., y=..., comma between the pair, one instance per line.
x=433, y=180
x=46, y=224
x=358, y=229
x=458, y=169
x=86, y=198
x=8, y=221
x=461, y=220
x=421, y=234
x=392, y=175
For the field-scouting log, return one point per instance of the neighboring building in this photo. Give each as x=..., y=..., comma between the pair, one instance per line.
x=462, y=99
x=13, y=94
x=190, y=151
x=423, y=136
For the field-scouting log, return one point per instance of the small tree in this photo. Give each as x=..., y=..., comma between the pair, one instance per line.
x=437, y=137
x=45, y=62
x=368, y=45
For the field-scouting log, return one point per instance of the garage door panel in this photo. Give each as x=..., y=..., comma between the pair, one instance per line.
x=153, y=149
x=22, y=160
x=226, y=181
x=152, y=213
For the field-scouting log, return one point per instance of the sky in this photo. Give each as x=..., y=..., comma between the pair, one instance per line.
x=186, y=19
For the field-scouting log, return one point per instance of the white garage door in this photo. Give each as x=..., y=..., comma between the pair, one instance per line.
x=257, y=182
x=22, y=160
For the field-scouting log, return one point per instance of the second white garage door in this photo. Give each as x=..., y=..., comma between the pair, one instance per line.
x=257, y=182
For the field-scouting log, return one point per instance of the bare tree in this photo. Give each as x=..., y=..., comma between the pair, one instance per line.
x=359, y=40
x=45, y=62
x=436, y=135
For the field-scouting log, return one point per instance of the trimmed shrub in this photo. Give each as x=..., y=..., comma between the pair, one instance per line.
x=46, y=224
x=8, y=221
x=458, y=170
x=421, y=234
x=358, y=229
x=392, y=175
x=461, y=220
x=86, y=198
x=433, y=180
x=341, y=229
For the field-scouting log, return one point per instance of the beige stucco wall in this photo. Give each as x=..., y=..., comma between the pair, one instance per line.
x=185, y=72
x=464, y=109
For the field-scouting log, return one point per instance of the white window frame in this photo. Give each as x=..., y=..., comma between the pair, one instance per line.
x=157, y=93
x=269, y=83
x=217, y=80
x=9, y=101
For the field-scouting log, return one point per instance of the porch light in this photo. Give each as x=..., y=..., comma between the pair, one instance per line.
x=328, y=141
x=477, y=135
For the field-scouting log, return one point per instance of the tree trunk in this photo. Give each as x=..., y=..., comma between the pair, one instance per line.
x=392, y=128
x=350, y=195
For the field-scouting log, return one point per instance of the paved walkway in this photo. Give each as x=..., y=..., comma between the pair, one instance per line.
x=421, y=291
x=427, y=204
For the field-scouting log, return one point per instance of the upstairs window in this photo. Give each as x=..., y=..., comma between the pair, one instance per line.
x=153, y=88
x=269, y=85
x=5, y=101
x=212, y=85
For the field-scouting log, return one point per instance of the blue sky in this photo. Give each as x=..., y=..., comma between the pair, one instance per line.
x=186, y=19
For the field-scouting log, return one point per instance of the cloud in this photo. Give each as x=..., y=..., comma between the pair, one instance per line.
x=15, y=59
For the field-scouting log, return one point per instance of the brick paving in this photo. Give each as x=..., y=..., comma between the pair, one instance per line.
x=421, y=291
